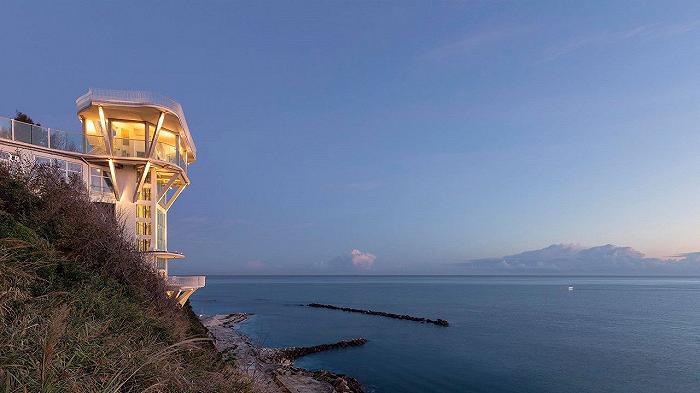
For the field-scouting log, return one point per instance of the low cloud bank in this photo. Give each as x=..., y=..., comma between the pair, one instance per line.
x=355, y=260
x=566, y=259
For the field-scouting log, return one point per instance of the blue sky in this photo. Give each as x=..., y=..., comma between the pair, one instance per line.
x=417, y=133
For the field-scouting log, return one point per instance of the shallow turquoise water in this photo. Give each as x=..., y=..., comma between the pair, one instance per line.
x=506, y=334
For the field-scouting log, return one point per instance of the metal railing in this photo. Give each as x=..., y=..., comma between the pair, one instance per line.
x=186, y=282
x=78, y=142
x=127, y=97
x=51, y=138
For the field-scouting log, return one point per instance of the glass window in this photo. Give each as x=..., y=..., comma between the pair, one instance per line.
x=143, y=244
x=166, y=146
x=73, y=169
x=100, y=180
x=145, y=194
x=94, y=138
x=129, y=138
x=161, y=263
x=143, y=228
x=66, y=168
x=42, y=160
x=161, y=238
x=143, y=211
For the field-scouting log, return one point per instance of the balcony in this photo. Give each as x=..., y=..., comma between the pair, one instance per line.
x=131, y=98
x=51, y=138
x=182, y=283
x=78, y=142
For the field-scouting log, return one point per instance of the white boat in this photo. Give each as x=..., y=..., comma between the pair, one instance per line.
x=571, y=288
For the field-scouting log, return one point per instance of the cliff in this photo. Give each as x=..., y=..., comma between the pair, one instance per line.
x=80, y=311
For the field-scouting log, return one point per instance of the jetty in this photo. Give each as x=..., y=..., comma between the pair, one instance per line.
x=292, y=353
x=438, y=322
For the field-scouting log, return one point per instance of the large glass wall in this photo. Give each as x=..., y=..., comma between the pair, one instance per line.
x=129, y=138
x=166, y=148
x=94, y=139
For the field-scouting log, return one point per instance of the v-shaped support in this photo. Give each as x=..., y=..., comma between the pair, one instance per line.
x=167, y=187
x=141, y=181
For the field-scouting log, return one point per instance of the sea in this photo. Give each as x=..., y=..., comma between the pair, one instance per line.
x=506, y=334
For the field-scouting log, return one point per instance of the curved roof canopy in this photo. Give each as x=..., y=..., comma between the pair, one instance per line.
x=175, y=117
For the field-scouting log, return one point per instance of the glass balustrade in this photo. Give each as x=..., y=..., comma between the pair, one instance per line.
x=187, y=281
x=52, y=138
x=92, y=143
x=66, y=140
x=95, y=144
x=23, y=132
x=5, y=128
x=124, y=147
x=40, y=136
x=166, y=152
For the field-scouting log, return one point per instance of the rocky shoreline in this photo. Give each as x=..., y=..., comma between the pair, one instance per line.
x=271, y=369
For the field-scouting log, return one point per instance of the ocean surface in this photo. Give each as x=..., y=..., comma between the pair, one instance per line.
x=506, y=334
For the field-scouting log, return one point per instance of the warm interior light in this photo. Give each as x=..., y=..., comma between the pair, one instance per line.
x=90, y=127
x=102, y=117
x=168, y=137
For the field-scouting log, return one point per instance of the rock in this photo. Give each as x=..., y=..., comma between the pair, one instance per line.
x=271, y=369
x=438, y=322
x=289, y=354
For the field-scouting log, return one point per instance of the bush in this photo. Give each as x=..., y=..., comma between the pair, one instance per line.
x=80, y=310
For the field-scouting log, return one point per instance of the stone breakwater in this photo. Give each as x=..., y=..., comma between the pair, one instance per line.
x=270, y=369
x=293, y=353
x=438, y=322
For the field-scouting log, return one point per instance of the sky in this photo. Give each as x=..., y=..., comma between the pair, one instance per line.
x=393, y=136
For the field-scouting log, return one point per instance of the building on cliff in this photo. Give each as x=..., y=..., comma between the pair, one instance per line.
x=132, y=154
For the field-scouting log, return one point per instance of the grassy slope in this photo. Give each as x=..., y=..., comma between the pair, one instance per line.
x=79, y=310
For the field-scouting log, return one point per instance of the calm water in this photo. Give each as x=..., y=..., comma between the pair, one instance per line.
x=507, y=334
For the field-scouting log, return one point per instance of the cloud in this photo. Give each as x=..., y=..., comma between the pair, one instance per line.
x=472, y=42
x=607, y=38
x=363, y=260
x=566, y=259
x=355, y=260
x=256, y=264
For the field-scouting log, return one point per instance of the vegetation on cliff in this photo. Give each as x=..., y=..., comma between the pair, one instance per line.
x=80, y=311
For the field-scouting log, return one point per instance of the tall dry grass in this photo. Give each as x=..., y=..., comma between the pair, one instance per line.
x=80, y=311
